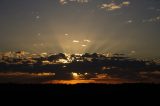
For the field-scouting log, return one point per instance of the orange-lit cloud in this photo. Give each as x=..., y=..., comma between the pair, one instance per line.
x=75, y=41
x=66, y=34
x=87, y=41
x=125, y=3
x=114, y=6
x=84, y=45
x=111, y=6
x=63, y=1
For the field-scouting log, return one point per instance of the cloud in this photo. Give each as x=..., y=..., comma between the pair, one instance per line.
x=75, y=41
x=114, y=6
x=107, y=6
x=155, y=19
x=156, y=72
x=110, y=7
x=63, y=2
x=133, y=52
x=87, y=41
x=37, y=17
x=158, y=10
x=130, y=21
x=84, y=45
x=125, y=3
x=66, y=34
x=158, y=18
x=80, y=1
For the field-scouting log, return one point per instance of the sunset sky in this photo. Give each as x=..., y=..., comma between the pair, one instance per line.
x=79, y=26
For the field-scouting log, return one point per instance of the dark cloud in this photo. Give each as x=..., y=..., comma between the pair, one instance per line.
x=95, y=68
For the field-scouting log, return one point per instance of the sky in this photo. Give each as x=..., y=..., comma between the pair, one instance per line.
x=79, y=26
